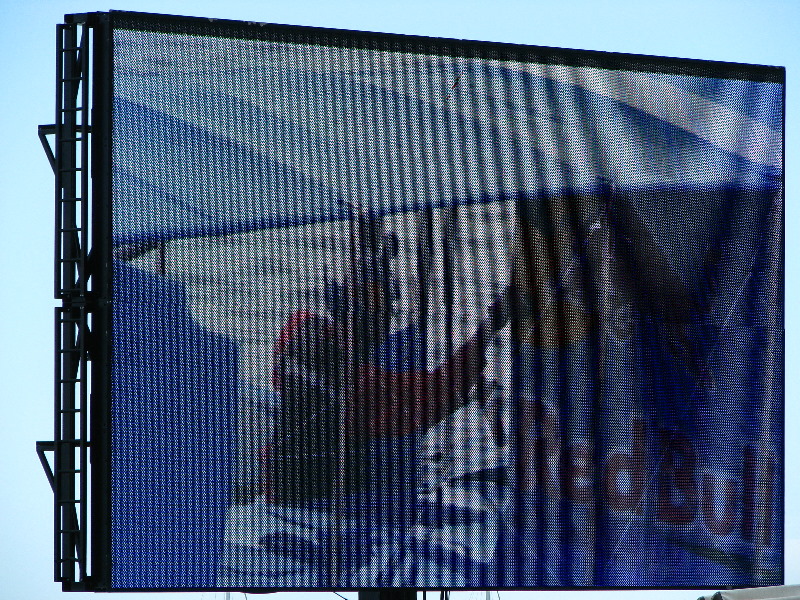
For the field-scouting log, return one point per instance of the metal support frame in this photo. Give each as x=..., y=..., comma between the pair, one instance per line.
x=389, y=594
x=70, y=161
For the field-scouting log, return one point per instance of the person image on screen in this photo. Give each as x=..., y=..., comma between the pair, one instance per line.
x=346, y=413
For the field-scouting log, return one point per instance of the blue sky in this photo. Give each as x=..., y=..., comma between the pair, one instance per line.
x=763, y=32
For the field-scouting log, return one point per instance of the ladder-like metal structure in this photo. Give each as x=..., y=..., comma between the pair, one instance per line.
x=72, y=319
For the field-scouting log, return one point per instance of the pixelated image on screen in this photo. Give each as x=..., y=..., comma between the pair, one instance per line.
x=399, y=312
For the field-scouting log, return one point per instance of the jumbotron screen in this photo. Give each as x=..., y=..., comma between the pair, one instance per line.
x=402, y=312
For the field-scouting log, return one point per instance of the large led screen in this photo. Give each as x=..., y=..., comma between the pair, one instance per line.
x=405, y=312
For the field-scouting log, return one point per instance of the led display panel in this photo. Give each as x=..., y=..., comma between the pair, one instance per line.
x=391, y=311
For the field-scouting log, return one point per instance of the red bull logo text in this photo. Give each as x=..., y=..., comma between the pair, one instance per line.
x=659, y=475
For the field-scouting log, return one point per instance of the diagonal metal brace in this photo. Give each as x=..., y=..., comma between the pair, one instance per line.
x=44, y=131
x=41, y=448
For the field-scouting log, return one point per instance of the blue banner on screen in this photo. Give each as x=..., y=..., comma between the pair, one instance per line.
x=389, y=313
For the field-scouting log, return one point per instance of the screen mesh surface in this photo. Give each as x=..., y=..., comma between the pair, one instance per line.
x=392, y=312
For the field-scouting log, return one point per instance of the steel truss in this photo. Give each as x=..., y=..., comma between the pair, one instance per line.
x=70, y=159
